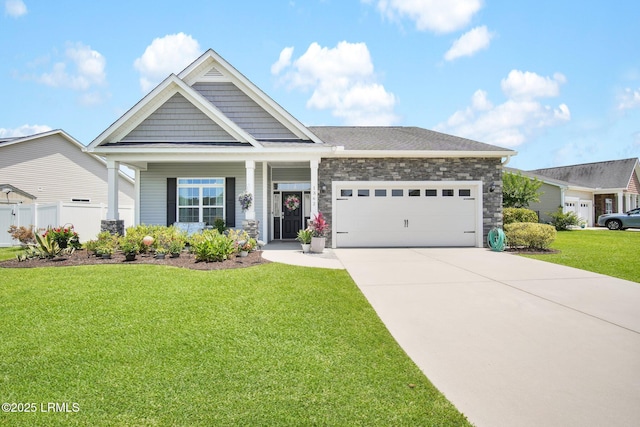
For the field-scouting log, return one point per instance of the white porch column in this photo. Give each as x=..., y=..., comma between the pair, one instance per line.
x=627, y=202
x=313, y=164
x=264, y=225
x=620, y=202
x=136, y=188
x=113, y=168
x=250, y=166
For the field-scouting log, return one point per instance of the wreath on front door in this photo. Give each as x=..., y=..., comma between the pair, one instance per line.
x=292, y=203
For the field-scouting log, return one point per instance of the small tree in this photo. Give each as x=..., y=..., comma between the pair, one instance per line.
x=518, y=191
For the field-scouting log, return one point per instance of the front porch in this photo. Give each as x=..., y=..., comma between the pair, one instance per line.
x=169, y=192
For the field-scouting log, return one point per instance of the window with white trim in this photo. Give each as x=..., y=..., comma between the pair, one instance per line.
x=200, y=199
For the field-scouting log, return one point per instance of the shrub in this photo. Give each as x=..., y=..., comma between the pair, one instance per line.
x=220, y=225
x=22, y=234
x=562, y=221
x=511, y=215
x=212, y=246
x=529, y=235
x=47, y=246
x=106, y=243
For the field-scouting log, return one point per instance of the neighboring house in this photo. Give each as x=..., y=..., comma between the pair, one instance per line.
x=204, y=136
x=52, y=167
x=48, y=180
x=588, y=190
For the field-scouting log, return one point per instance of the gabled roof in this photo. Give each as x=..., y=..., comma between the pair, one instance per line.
x=4, y=187
x=16, y=140
x=210, y=69
x=614, y=174
x=77, y=144
x=403, y=139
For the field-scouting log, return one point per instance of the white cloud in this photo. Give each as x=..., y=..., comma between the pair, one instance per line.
x=89, y=69
x=431, y=15
x=283, y=61
x=15, y=8
x=342, y=80
x=513, y=122
x=528, y=85
x=165, y=55
x=469, y=43
x=24, y=130
x=629, y=99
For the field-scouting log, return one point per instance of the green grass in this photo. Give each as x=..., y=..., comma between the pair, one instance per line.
x=272, y=345
x=614, y=253
x=9, y=253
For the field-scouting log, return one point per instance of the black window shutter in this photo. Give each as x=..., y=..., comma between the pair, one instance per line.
x=171, y=200
x=230, y=202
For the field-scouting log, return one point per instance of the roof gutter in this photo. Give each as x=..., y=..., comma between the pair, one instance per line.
x=340, y=152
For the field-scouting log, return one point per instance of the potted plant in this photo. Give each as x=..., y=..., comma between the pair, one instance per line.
x=319, y=229
x=175, y=247
x=129, y=247
x=161, y=251
x=246, y=200
x=304, y=237
x=246, y=246
x=104, y=250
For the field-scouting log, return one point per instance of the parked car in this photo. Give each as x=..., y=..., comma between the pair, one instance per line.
x=620, y=221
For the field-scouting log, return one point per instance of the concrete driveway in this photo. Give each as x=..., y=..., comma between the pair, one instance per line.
x=509, y=340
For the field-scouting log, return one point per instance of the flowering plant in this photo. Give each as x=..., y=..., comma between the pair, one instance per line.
x=64, y=236
x=248, y=245
x=319, y=226
x=292, y=202
x=245, y=199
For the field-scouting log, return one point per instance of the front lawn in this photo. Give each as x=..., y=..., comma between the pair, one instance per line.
x=9, y=253
x=614, y=253
x=143, y=345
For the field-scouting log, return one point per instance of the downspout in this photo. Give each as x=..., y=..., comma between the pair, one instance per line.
x=505, y=162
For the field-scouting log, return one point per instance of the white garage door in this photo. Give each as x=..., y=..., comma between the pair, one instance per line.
x=400, y=214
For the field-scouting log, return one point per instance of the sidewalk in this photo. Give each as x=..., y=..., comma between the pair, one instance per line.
x=290, y=252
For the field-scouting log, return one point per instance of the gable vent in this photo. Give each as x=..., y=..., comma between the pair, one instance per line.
x=213, y=72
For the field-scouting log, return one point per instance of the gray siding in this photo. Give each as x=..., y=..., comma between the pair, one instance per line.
x=243, y=111
x=54, y=169
x=153, y=187
x=291, y=174
x=549, y=202
x=177, y=120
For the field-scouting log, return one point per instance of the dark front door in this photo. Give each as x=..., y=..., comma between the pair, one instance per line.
x=292, y=216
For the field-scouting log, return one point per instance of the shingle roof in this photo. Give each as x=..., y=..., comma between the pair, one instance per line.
x=398, y=138
x=609, y=174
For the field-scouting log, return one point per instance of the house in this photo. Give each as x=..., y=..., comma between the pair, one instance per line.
x=51, y=169
x=202, y=137
x=589, y=190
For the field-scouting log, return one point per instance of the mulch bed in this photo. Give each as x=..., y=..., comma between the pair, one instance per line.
x=185, y=260
x=531, y=251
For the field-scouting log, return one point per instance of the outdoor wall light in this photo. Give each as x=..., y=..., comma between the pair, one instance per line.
x=492, y=187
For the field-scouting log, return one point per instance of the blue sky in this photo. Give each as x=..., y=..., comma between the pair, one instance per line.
x=557, y=81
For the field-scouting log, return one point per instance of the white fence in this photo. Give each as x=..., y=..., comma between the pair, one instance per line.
x=84, y=217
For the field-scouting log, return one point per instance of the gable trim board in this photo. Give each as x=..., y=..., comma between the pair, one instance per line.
x=263, y=137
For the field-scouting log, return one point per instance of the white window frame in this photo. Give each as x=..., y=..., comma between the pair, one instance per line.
x=200, y=186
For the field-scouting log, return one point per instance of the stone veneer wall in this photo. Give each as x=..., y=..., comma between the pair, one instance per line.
x=391, y=169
